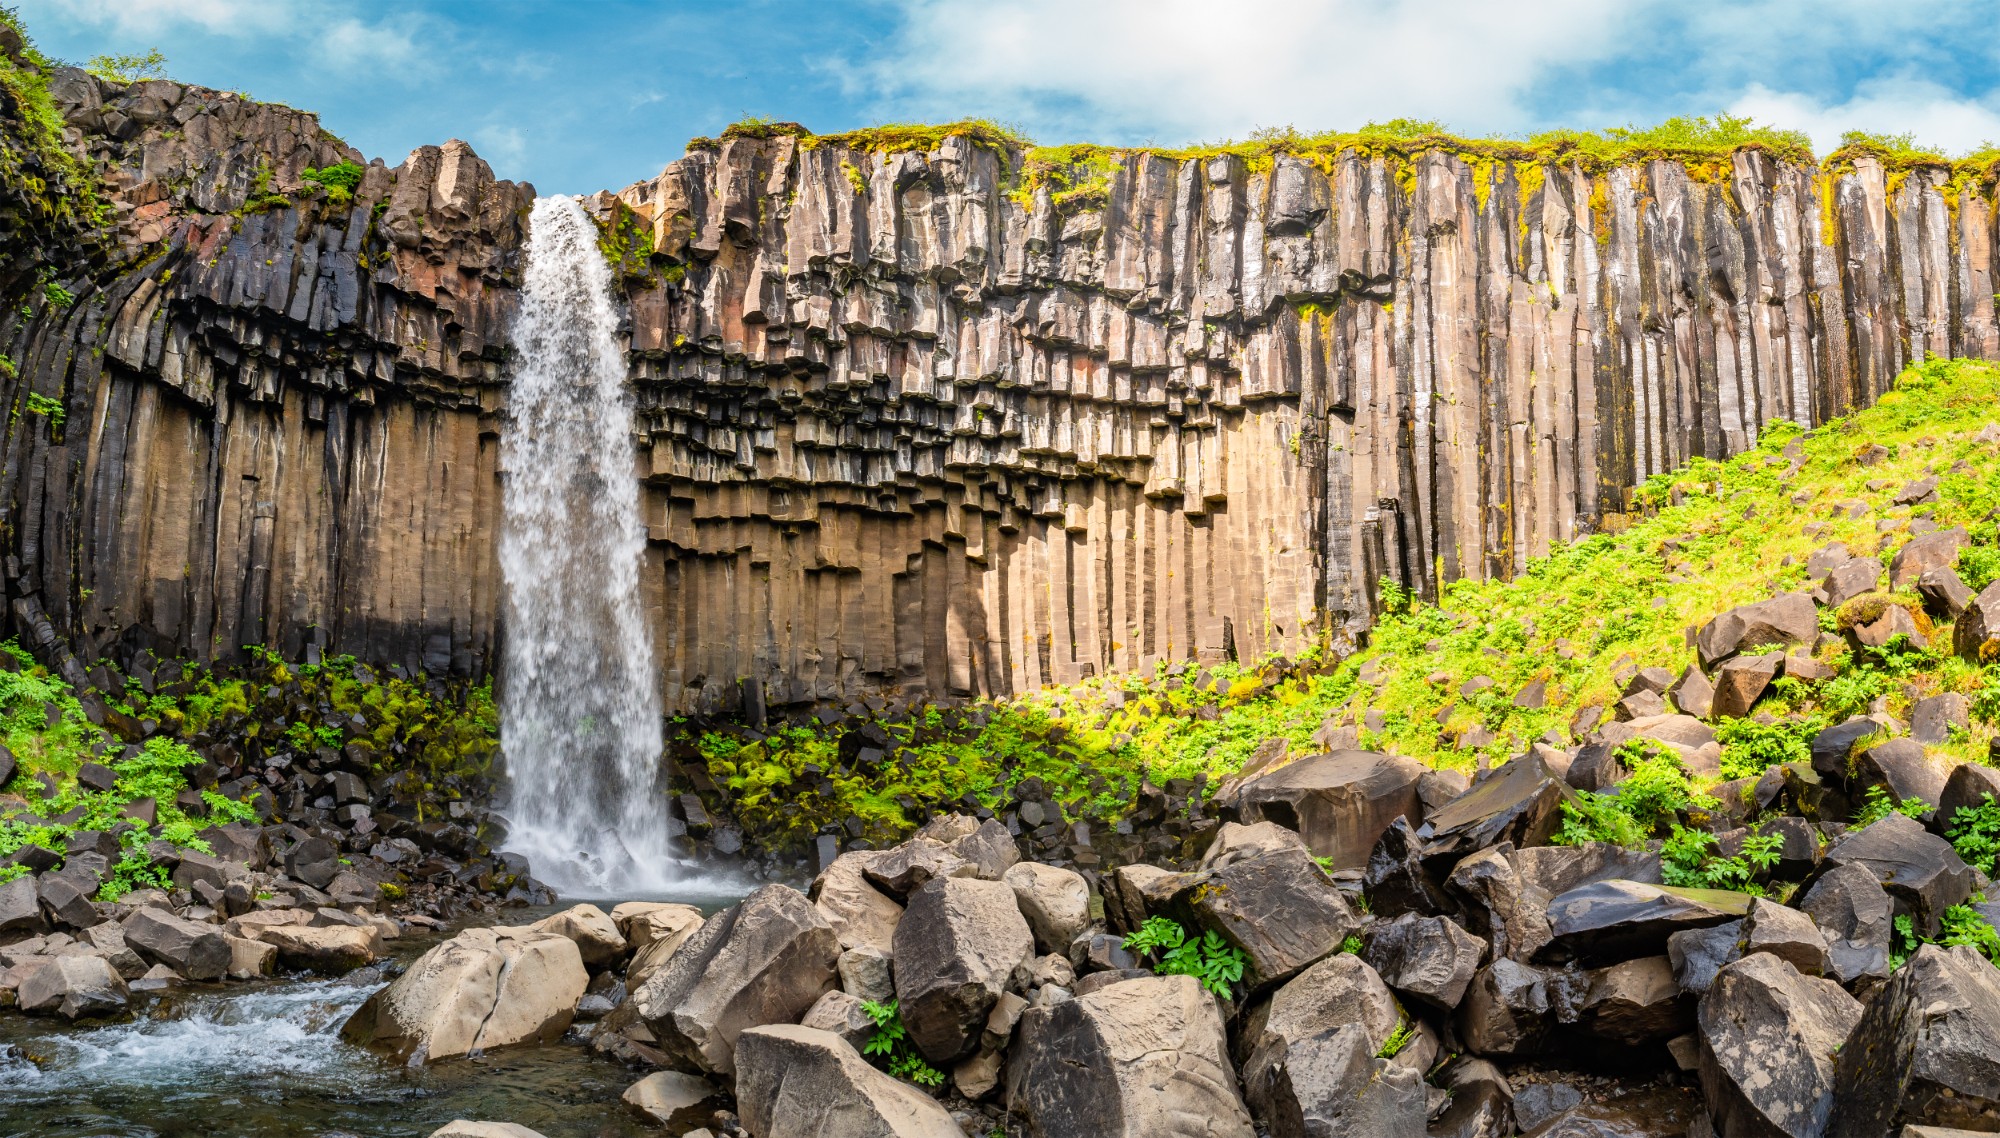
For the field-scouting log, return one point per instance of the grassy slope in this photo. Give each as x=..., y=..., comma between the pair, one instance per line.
x=1577, y=620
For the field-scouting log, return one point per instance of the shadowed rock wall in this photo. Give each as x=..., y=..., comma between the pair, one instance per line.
x=905, y=426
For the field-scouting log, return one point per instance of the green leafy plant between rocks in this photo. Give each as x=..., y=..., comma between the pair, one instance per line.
x=1208, y=958
x=891, y=1044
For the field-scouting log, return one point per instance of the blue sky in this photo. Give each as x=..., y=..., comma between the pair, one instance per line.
x=584, y=95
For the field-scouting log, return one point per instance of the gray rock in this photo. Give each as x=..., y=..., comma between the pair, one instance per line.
x=1507, y=1011
x=1339, y=803
x=1900, y=768
x=861, y=915
x=956, y=950
x=71, y=986
x=1331, y=1085
x=1933, y=718
x=1944, y=593
x=868, y=974
x=902, y=871
x=1521, y=804
x=1920, y=870
x=1785, y=933
x=1631, y=1003
x=1609, y=921
x=1927, y=1051
x=1698, y=954
x=1741, y=682
x=672, y=1099
x=1396, y=881
x=990, y=849
x=1272, y=901
x=1852, y=911
x=1481, y=1103
x=1339, y=990
x=1429, y=959
x=843, y=1015
x=20, y=906
x=196, y=951
x=1768, y=1041
x=484, y=989
x=1975, y=635
x=1851, y=579
x=1142, y=1059
x=797, y=1082
x=765, y=960
x=1788, y=619
x=1055, y=901
x=1922, y=554
x=66, y=905
x=1537, y=1103
x=1506, y=892
x=1968, y=786
x=1693, y=694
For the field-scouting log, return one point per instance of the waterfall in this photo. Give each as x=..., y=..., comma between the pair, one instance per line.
x=580, y=707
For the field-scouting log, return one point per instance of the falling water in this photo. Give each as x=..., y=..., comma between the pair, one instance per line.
x=580, y=713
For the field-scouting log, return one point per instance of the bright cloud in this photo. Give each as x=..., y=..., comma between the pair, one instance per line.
x=1933, y=114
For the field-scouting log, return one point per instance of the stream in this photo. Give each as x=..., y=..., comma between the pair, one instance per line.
x=265, y=1059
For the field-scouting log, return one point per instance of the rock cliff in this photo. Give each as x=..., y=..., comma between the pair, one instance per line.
x=914, y=418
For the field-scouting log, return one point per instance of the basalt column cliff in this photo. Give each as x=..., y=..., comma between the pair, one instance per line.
x=911, y=418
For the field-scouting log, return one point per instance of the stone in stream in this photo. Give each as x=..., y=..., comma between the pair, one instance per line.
x=955, y=952
x=1338, y=803
x=1261, y=890
x=481, y=990
x=1920, y=870
x=1927, y=1051
x=860, y=914
x=463, y=1128
x=196, y=951
x=672, y=1099
x=1609, y=921
x=1331, y=1085
x=1145, y=1058
x=764, y=960
x=1787, y=619
x=798, y=1082
x=71, y=986
x=330, y=950
x=1769, y=1038
x=597, y=937
x=1429, y=959
x=1055, y=901
x=1853, y=913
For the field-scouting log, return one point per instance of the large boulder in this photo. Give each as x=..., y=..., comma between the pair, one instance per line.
x=1632, y=1003
x=1481, y=1103
x=1769, y=1038
x=1926, y=552
x=1741, y=682
x=1331, y=1085
x=1928, y=1048
x=1782, y=620
x=1146, y=1058
x=1396, y=881
x=799, y=1082
x=1609, y=921
x=20, y=906
x=1522, y=804
x=331, y=950
x=480, y=990
x=1507, y=1010
x=1429, y=959
x=1900, y=768
x=955, y=950
x=596, y=935
x=1339, y=990
x=1055, y=901
x=990, y=850
x=764, y=960
x=672, y=1099
x=1853, y=913
x=862, y=916
x=655, y=935
x=907, y=868
x=1339, y=803
x=196, y=951
x=71, y=986
x=1923, y=874
x=1506, y=892
x=1261, y=890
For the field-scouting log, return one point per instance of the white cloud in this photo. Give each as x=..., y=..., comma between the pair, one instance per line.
x=1187, y=69
x=151, y=17
x=374, y=46
x=1934, y=115
x=500, y=145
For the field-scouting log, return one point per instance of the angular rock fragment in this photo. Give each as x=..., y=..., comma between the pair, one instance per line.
x=1900, y=768
x=1609, y=921
x=1429, y=959
x=1975, y=633
x=196, y=951
x=1395, y=881
x=1785, y=933
x=71, y=986
x=672, y=1099
x=1632, y=1003
x=1927, y=1050
x=1787, y=619
x=329, y=951
x=1481, y=1103
x=1331, y=1085
x=1055, y=901
x=1698, y=954
x=1339, y=803
x=861, y=914
x=1506, y=1011
x=1924, y=553
x=1967, y=787
x=480, y=990
x=1741, y=681
x=1521, y=804
x=1339, y=990
x=903, y=870
x=1852, y=912
x=1920, y=870
x=955, y=951
x=596, y=935
x=1270, y=899
x=1769, y=1038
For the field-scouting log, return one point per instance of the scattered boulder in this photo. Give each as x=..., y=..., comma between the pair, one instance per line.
x=1506, y=892
x=1631, y=1003
x=672, y=1099
x=1146, y=1058
x=1741, y=682
x=1944, y=592
x=955, y=952
x=868, y=974
x=1698, y=954
x=1608, y=921
x=1927, y=1051
x=1850, y=579
x=1331, y=1085
x=1975, y=635
x=196, y=951
x=1924, y=553
x=1782, y=620
x=1693, y=694
x=71, y=986
x=860, y=914
x=1920, y=870
x=1506, y=1011
x=798, y=1082
x=20, y=906
x=764, y=960
x=655, y=936
x=907, y=868
x=844, y=1016
x=1055, y=901
x=1521, y=804
x=1339, y=990
x=597, y=937
x=1785, y=933
x=1339, y=803
x=483, y=989
x=1429, y=959
x=1395, y=881
x=1968, y=786
x=1249, y=879
x=1852, y=912
x=1769, y=1037
x=1899, y=767
x=1933, y=718
x=331, y=950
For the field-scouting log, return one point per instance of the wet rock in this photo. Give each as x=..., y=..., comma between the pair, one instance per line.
x=329, y=951
x=1339, y=803
x=1927, y=1051
x=766, y=959
x=1395, y=881
x=1852, y=912
x=1922, y=873
x=1522, y=804
x=1609, y=921
x=955, y=952
x=1055, y=901
x=1142, y=1059
x=1741, y=681
x=1788, y=619
x=597, y=937
x=902, y=871
x=1331, y=1085
x=843, y=1015
x=71, y=986
x=672, y=1099
x=1768, y=1041
x=1538, y=1103
x=196, y=951
x=1428, y=959
x=483, y=989
x=1481, y=1103
x=1339, y=990
x=1506, y=1011
x=1269, y=898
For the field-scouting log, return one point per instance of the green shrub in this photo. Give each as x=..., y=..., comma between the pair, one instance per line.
x=1978, y=566
x=128, y=68
x=1215, y=962
x=1878, y=805
x=891, y=1044
x=1975, y=834
x=340, y=179
x=1686, y=861
x=1750, y=748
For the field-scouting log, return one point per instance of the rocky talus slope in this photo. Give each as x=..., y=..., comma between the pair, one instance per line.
x=924, y=412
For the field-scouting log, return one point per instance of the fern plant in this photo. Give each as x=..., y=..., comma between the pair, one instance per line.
x=1208, y=958
x=891, y=1043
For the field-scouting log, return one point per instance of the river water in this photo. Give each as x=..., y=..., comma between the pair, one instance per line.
x=265, y=1060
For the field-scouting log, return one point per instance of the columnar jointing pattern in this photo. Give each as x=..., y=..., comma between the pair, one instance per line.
x=902, y=426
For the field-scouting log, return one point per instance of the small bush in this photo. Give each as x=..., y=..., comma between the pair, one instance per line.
x=1215, y=962
x=891, y=1044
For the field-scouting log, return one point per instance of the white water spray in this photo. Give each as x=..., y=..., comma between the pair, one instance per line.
x=580, y=713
